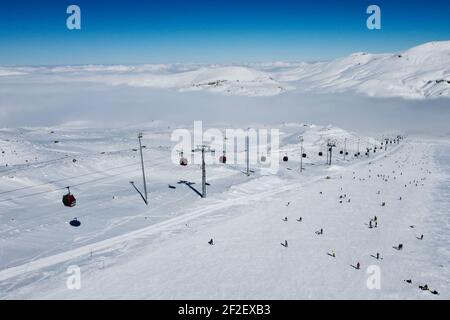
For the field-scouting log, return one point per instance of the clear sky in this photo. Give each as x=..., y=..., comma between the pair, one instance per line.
x=214, y=31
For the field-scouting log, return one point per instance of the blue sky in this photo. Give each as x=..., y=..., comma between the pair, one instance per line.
x=214, y=31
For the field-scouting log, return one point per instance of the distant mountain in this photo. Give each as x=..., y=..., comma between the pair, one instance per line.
x=418, y=73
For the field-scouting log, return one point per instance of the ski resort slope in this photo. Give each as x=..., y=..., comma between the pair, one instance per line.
x=170, y=258
x=417, y=73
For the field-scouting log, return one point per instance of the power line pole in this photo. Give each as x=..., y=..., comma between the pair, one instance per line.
x=143, y=170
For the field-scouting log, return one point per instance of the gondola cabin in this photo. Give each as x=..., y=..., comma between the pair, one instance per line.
x=69, y=199
x=183, y=162
x=223, y=158
x=263, y=158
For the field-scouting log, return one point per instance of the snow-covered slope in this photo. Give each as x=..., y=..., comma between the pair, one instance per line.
x=420, y=72
x=128, y=250
x=417, y=73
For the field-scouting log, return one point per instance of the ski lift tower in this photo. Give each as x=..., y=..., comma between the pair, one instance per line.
x=203, y=148
x=247, y=153
x=330, y=146
x=144, y=196
x=359, y=141
x=345, y=148
x=301, y=153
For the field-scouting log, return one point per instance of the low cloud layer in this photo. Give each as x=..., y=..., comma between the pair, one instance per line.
x=35, y=103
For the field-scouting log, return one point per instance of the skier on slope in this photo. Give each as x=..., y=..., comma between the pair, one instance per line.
x=424, y=287
x=211, y=242
x=434, y=292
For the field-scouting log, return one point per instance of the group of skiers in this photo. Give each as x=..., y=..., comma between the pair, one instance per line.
x=373, y=223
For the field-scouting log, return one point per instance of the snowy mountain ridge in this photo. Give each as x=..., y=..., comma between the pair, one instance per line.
x=418, y=73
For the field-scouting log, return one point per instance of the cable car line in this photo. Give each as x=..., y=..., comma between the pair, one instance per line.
x=75, y=177
x=62, y=188
x=68, y=178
